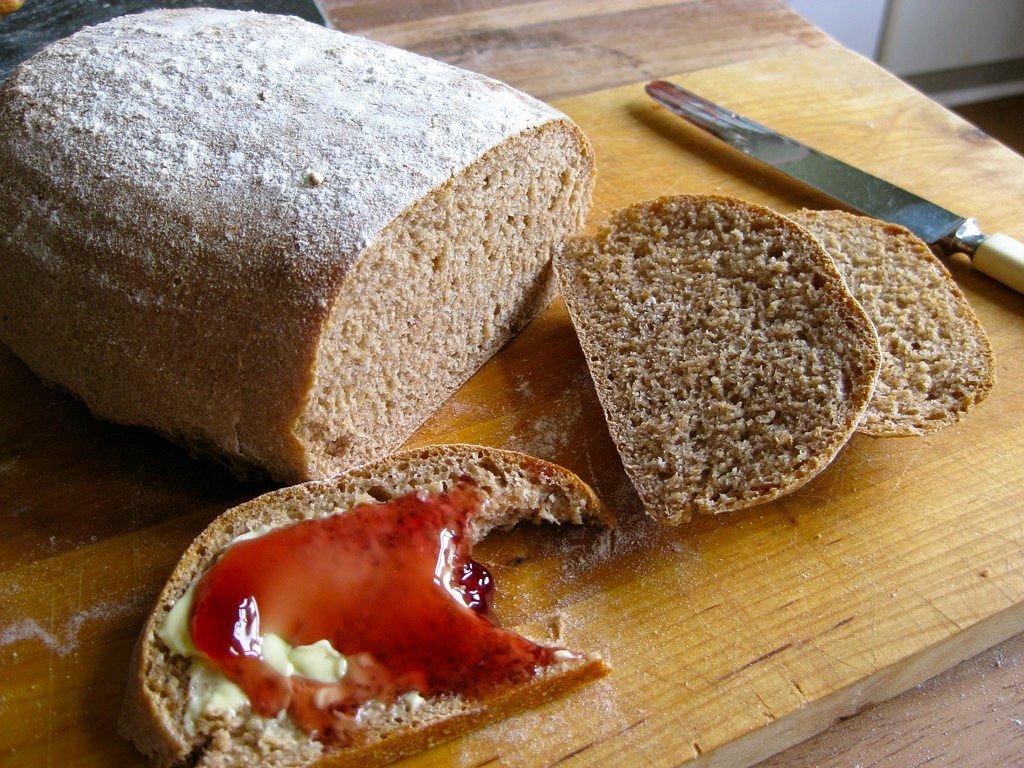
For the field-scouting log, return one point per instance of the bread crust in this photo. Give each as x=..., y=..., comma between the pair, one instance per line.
x=189, y=210
x=709, y=421
x=517, y=488
x=937, y=360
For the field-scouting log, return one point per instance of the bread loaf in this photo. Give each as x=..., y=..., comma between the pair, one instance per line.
x=937, y=362
x=160, y=715
x=729, y=358
x=270, y=241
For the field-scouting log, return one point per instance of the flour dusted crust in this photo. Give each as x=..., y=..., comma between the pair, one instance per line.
x=937, y=361
x=517, y=488
x=730, y=360
x=219, y=215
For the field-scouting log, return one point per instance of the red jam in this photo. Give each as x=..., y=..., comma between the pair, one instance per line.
x=391, y=586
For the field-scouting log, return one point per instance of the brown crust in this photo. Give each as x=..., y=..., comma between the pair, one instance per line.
x=538, y=691
x=151, y=715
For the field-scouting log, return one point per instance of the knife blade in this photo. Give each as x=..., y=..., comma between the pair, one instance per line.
x=996, y=255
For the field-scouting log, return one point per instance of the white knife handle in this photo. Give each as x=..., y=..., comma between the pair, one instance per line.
x=1001, y=257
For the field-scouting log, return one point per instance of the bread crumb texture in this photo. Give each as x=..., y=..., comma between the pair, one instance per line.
x=269, y=240
x=937, y=361
x=730, y=360
x=449, y=283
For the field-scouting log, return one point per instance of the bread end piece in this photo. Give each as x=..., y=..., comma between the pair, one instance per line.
x=937, y=361
x=730, y=359
x=517, y=488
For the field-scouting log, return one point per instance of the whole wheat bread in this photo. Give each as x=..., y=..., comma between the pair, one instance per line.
x=517, y=488
x=730, y=360
x=268, y=240
x=937, y=362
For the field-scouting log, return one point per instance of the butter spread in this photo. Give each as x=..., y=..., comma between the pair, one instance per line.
x=210, y=692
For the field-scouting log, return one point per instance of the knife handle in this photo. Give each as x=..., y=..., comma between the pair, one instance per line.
x=1001, y=257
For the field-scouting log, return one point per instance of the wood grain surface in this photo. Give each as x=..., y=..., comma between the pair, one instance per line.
x=732, y=638
x=557, y=48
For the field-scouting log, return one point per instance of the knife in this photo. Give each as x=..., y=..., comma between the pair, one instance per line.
x=998, y=256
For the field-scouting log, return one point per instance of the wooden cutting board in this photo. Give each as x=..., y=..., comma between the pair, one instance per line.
x=741, y=635
x=730, y=638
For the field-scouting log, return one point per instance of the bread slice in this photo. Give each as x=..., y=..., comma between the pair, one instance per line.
x=516, y=488
x=730, y=360
x=937, y=362
x=271, y=241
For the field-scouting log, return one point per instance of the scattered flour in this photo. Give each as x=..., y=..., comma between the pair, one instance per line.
x=546, y=437
x=141, y=108
x=64, y=639
x=29, y=629
x=549, y=732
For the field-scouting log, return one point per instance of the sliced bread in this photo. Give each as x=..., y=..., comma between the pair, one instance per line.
x=937, y=362
x=731, y=362
x=270, y=241
x=161, y=714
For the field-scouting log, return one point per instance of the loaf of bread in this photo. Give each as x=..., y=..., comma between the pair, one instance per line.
x=937, y=362
x=270, y=241
x=161, y=715
x=730, y=360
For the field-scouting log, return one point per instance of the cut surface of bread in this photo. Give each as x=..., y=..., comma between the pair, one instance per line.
x=937, y=362
x=515, y=488
x=730, y=360
x=270, y=241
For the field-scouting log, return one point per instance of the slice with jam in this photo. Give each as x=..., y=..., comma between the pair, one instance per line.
x=325, y=619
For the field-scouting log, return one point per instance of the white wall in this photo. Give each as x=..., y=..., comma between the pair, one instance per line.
x=959, y=51
x=931, y=35
x=857, y=24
